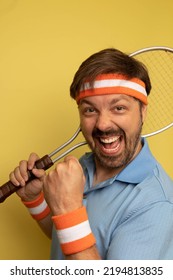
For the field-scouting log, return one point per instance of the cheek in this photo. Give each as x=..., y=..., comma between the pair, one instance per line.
x=86, y=124
x=135, y=126
x=130, y=125
x=85, y=128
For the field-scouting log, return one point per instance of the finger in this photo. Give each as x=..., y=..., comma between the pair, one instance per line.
x=31, y=161
x=75, y=162
x=39, y=173
x=69, y=158
x=73, y=159
x=22, y=171
x=16, y=177
x=14, y=180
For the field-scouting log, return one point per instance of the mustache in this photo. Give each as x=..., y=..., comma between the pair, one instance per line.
x=112, y=132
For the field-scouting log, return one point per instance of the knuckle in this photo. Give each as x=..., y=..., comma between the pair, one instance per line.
x=59, y=166
x=21, y=162
x=50, y=175
x=11, y=175
x=33, y=155
x=16, y=170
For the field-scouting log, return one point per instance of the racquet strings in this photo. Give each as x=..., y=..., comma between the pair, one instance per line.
x=160, y=101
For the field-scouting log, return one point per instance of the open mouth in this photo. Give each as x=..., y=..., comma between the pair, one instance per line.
x=111, y=144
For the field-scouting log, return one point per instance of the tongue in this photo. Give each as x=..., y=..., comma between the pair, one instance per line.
x=112, y=145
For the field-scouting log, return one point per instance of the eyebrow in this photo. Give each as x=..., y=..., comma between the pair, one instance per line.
x=84, y=101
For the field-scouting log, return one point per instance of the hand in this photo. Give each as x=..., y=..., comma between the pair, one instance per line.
x=63, y=186
x=19, y=177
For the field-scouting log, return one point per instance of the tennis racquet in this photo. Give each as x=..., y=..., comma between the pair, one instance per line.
x=159, y=62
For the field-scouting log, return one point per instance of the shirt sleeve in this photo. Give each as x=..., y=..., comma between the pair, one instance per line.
x=146, y=234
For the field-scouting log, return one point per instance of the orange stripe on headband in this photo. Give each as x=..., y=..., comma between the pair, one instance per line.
x=114, y=84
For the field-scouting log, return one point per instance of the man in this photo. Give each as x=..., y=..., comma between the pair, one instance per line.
x=117, y=203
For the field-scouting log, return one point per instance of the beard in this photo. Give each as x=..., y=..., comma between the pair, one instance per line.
x=120, y=160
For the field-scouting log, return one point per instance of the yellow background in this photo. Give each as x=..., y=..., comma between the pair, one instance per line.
x=42, y=43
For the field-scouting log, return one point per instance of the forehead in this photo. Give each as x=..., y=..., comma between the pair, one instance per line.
x=107, y=99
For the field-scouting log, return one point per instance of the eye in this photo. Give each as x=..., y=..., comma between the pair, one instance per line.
x=119, y=109
x=89, y=110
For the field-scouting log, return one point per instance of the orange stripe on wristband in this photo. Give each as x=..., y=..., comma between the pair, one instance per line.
x=38, y=208
x=70, y=219
x=78, y=245
x=73, y=231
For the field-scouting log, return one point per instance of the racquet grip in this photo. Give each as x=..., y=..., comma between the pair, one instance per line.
x=9, y=188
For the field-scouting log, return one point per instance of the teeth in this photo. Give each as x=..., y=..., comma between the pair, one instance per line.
x=109, y=140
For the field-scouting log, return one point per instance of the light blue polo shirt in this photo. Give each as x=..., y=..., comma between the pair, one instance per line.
x=131, y=214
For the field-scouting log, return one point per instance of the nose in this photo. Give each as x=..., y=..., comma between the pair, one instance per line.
x=104, y=122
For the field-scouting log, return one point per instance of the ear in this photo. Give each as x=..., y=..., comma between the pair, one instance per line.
x=143, y=112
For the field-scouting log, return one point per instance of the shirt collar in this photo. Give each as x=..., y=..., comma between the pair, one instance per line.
x=140, y=167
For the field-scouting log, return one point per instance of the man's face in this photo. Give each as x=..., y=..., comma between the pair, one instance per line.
x=111, y=125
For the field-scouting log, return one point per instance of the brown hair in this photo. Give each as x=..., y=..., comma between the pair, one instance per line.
x=109, y=61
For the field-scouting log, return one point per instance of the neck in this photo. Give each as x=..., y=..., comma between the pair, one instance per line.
x=102, y=173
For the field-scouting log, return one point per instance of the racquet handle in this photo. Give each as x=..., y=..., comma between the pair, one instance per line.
x=8, y=188
x=44, y=163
